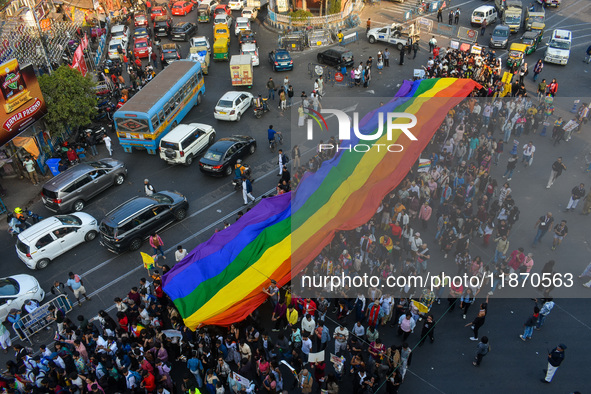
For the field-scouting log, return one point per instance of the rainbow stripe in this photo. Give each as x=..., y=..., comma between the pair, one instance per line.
x=221, y=281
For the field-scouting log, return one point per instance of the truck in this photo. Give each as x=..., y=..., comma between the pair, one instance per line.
x=513, y=15
x=395, y=34
x=241, y=70
x=558, y=50
x=257, y=4
x=535, y=20
x=550, y=3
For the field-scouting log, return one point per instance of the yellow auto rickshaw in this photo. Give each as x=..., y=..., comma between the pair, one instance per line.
x=516, y=54
x=203, y=13
x=221, y=48
x=221, y=30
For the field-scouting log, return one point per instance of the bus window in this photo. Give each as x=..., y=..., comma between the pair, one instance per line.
x=199, y=76
x=177, y=99
x=193, y=81
x=167, y=109
x=161, y=116
x=155, y=122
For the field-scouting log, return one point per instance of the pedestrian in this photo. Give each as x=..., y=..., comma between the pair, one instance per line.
x=157, y=244
x=440, y=15
x=406, y=325
x=5, y=340
x=477, y=323
x=290, y=94
x=91, y=142
x=108, y=144
x=247, y=190
x=543, y=224
x=483, y=27
x=148, y=188
x=577, y=193
x=451, y=17
x=282, y=100
x=432, y=44
x=76, y=286
x=425, y=214
x=301, y=116
x=538, y=67
x=341, y=336
x=544, y=312
x=528, y=326
x=415, y=48
x=58, y=316
x=560, y=231
x=465, y=301
x=320, y=89
x=340, y=36
x=511, y=164
x=386, y=57
x=482, y=350
x=402, y=51
x=405, y=358
x=180, y=253
x=367, y=25
x=553, y=87
x=296, y=156
x=31, y=171
x=542, y=89
x=523, y=71
x=528, y=153
x=557, y=168
x=555, y=358
x=154, y=59
x=428, y=330
x=271, y=88
x=282, y=161
x=501, y=249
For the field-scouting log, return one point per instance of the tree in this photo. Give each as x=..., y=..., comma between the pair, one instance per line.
x=70, y=99
x=334, y=7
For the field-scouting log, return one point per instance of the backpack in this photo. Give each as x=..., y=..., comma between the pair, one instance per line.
x=285, y=159
x=137, y=376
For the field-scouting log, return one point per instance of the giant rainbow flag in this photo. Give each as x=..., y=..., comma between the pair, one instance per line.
x=220, y=282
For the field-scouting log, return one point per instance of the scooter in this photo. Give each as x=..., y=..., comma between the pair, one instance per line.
x=237, y=182
x=259, y=111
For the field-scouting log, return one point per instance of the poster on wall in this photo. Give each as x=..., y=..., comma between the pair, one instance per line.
x=21, y=102
x=282, y=6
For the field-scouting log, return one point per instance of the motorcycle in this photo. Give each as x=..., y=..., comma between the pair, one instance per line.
x=237, y=182
x=260, y=110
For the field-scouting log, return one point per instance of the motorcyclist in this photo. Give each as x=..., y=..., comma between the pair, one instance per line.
x=18, y=214
x=238, y=170
x=260, y=103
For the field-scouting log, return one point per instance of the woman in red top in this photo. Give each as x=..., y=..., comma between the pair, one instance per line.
x=123, y=321
x=148, y=382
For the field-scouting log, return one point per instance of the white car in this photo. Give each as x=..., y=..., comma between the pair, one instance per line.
x=211, y=3
x=113, y=51
x=252, y=50
x=232, y=105
x=222, y=18
x=16, y=290
x=250, y=13
x=241, y=24
x=236, y=5
x=51, y=237
x=120, y=32
x=200, y=41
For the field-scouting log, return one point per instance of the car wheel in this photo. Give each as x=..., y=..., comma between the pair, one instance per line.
x=90, y=236
x=238, y=117
x=372, y=40
x=135, y=244
x=252, y=149
x=180, y=214
x=211, y=139
x=78, y=205
x=199, y=99
x=228, y=171
x=42, y=264
x=119, y=180
x=174, y=124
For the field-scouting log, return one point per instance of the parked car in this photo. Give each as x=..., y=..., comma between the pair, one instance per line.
x=183, y=30
x=162, y=26
x=128, y=225
x=72, y=189
x=236, y=5
x=232, y=105
x=142, y=48
x=200, y=41
x=222, y=18
x=252, y=50
x=159, y=11
x=181, y=8
x=170, y=53
x=140, y=20
x=16, y=290
x=280, y=60
x=241, y=25
x=220, y=158
x=50, y=238
x=250, y=13
x=140, y=32
x=337, y=56
x=182, y=144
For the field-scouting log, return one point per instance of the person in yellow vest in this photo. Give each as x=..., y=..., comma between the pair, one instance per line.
x=340, y=36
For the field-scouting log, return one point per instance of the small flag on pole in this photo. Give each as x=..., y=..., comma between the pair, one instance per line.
x=148, y=260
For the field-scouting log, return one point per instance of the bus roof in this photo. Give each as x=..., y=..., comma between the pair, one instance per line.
x=149, y=95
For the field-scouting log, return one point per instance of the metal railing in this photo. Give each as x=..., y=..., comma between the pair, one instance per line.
x=38, y=319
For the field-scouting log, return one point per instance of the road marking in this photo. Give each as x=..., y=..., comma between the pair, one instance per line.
x=578, y=11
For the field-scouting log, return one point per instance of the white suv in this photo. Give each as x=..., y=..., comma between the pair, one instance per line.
x=16, y=290
x=185, y=142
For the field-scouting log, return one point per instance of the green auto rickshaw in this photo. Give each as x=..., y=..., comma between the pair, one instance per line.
x=221, y=49
x=203, y=13
x=532, y=39
x=516, y=54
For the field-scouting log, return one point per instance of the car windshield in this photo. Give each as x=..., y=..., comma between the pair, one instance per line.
x=177, y=6
x=221, y=31
x=539, y=19
x=179, y=29
x=141, y=44
x=21, y=246
x=8, y=287
x=225, y=103
x=169, y=145
x=560, y=44
x=199, y=43
x=69, y=220
x=220, y=11
x=347, y=56
x=107, y=230
x=249, y=52
x=113, y=47
x=140, y=18
x=501, y=33
x=213, y=155
x=170, y=54
x=528, y=41
x=478, y=14
x=282, y=56
x=140, y=32
x=117, y=34
x=242, y=25
x=162, y=198
x=512, y=19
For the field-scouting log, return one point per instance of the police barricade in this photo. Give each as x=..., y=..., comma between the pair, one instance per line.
x=295, y=41
x=319, y=38
x=350, y=38
x=316, y=70
x=446, y=30
x=467, y=34
x=425, y=24
x=38, y=319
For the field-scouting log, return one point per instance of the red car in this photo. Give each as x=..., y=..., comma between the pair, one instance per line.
x=158, y=11
x=140, y=20
x=142, y=47
x=182, y=8
x=220, y=9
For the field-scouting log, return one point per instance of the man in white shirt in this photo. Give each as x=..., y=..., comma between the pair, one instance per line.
x=528, y=153
x=130, y=380
x=306, y=345
x=308, y=325
x=415, y=241
x=358, y=330
x=101, y=344
x=180, y=253
x=341, y=336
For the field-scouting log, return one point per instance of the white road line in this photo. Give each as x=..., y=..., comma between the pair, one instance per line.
x=578, y=11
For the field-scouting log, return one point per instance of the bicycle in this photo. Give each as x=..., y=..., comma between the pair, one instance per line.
x=277, y=140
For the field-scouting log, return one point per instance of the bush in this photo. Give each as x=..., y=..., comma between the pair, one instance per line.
x=300, y=15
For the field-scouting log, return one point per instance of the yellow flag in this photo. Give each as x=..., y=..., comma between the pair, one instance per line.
x=148, y=260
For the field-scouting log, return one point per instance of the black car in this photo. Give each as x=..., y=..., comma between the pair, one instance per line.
x=182, y=31
x=337, y=57
x=170, y=53
x=140, y=32
x=162, y=26
x=220, y=158
x=128, y=225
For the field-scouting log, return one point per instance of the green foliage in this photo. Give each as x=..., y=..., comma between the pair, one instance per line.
x=300, y=15
x=70, y=98
x=334, y=7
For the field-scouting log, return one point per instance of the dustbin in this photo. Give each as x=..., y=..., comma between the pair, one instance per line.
x=53, y=164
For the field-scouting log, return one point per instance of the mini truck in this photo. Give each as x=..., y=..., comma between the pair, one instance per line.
x=395, y=34
x=513, y=15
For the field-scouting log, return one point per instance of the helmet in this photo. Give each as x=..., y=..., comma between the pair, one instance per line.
x=18, y=210
x=238, y=161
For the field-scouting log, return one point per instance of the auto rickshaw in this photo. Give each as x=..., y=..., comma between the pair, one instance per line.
x=200, y=54
x=516, y=53
x=203, y=13
x=532, y=39
x=221, y=30
x=221, y=49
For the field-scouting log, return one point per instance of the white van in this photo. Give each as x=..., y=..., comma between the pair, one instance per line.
x=558, y=50
x=483, y=12
x=182, y=144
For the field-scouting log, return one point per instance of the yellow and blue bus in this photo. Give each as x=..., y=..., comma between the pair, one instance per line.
x=159, y=106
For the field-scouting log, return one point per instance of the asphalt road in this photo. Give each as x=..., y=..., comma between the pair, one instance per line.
x=445, y=366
